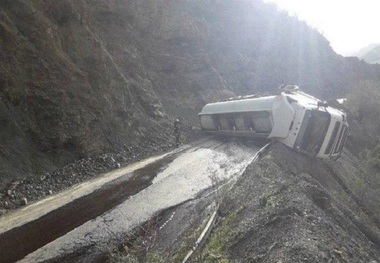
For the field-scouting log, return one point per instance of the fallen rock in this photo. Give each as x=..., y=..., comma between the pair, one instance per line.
x=24, y=201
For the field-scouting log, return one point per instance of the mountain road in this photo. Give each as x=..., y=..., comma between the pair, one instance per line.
x=115, y=203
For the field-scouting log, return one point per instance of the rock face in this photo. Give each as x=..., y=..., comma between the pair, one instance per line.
x=80, y=77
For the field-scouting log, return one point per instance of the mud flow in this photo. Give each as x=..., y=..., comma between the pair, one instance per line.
x=20, y=241
x=92, y=213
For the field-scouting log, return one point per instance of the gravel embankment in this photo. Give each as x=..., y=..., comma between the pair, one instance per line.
x=19, y=193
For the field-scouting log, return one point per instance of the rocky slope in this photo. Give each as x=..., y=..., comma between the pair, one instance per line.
x=30, y=188
x=290, y=208
x=86, y=77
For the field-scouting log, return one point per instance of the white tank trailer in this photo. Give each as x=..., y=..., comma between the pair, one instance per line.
x=293, y=118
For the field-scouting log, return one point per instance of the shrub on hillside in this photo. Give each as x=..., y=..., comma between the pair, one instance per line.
x=373, y=156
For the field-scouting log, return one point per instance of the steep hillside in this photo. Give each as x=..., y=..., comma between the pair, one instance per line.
x=62, y=94
x=80, y=77
x=290, y=208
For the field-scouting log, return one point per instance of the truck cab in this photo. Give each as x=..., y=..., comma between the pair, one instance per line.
x=294, y=118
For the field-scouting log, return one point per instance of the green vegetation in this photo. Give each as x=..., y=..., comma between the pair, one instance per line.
x=155, y=258
x=215, y=249
x=272, y=200
x=268, y=156
x=8, y=83
x=364, y=105
x=373, y=156
x=35, y=165
x=364, y=139
x=188, y=243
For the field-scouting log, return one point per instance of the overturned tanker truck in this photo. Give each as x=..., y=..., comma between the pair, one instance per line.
x=293, y=118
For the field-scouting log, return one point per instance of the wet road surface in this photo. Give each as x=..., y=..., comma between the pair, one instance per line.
x=112, y=205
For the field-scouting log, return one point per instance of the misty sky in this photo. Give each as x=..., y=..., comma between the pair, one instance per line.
x=349, y=25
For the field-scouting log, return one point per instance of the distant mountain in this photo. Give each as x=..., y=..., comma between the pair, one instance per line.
x=370, y=54
x=361, y=52
x=373, y=56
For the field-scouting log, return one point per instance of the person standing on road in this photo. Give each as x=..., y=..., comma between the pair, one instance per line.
x=177, y=132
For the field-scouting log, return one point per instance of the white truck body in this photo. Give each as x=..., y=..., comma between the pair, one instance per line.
x=294, y=118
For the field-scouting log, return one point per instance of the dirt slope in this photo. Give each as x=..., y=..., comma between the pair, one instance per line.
x=291, y=208
x=286, y=207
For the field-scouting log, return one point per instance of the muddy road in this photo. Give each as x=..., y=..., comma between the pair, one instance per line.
x=111, y=205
